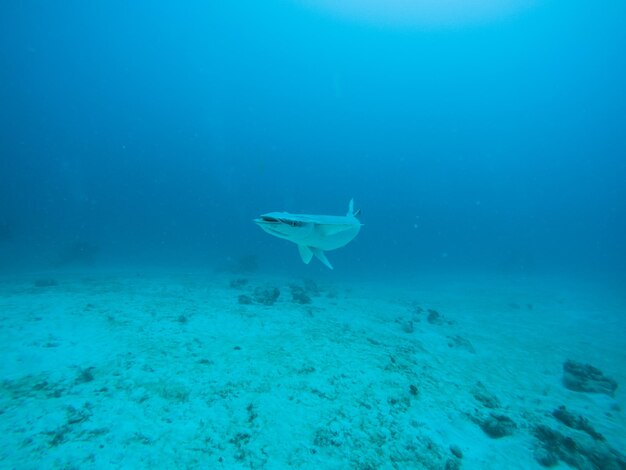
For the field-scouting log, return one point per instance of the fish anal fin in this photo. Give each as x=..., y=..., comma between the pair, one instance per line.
x=320, y=255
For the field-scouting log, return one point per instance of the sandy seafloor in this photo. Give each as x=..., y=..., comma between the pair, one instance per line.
x=145, y=370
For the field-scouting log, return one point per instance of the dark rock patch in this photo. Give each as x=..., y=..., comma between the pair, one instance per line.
x=459, y=342
x=416, y=311
x=305, y=370
x=75, y=416
x=578, y=422
x=485, y=397
x=545, y=457
x=58, y=436
x=84, y=375
x=70, y=429
x=496, y=425
x=299, y=295
x=434, y=317
x=327, y=438
x=252, y=414
x=401, y=403
x=580, y=452
x=581, y=377
x=267, y=295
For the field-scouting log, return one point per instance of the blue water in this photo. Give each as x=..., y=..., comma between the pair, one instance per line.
x=475, y=322
x=152, y=133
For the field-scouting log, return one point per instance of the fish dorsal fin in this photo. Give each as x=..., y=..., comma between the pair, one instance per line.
x=305, y=253
x=351, y=211
x=320, y=255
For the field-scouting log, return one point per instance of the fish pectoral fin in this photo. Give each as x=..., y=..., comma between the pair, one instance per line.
x=320, y=255
x=305, y=253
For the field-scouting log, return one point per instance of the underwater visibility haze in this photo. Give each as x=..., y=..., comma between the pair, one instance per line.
x=156, y=132
x=484, y=146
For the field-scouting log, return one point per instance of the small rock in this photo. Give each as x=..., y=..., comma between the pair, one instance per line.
x=456, y=451
x=407, y=326
x=434, y=317
x=452, y=464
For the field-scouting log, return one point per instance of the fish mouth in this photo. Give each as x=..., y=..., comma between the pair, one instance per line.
x=270, y=225
x=265, y=220
x=269, y=220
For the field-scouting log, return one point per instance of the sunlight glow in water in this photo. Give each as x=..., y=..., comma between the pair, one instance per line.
x=421, y=13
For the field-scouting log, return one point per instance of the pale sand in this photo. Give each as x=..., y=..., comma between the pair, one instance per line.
x=171, y=371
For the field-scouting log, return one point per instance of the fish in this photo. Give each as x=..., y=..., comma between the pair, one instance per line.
x=314, y=234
